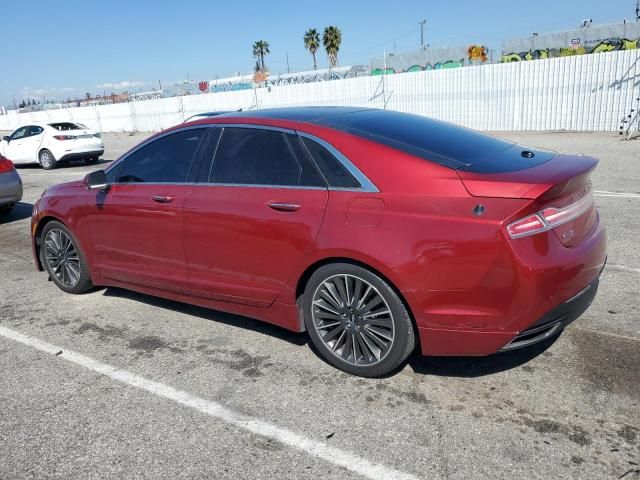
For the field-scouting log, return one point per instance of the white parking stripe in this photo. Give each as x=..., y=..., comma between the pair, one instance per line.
x=604, y=193
x=621, y=268
x=321, y=450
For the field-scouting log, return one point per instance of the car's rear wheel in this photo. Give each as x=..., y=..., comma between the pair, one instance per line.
x=357, y=321
x=63, y=260
x=91, y=160
x=47, y=160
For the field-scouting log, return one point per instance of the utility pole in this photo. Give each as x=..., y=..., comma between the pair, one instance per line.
x=422, y=32
x=637, y=10
x=288, y=70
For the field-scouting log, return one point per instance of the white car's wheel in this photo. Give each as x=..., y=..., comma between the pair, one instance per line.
x=47, y=160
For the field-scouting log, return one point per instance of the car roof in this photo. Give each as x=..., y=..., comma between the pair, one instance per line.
x=296, y=114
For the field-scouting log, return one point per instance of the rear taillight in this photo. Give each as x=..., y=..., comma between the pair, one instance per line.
x=6, y=165
x=64, y=137
x=550, y=217
x=97, y=135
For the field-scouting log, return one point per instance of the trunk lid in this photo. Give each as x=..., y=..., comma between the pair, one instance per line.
x=560, y=190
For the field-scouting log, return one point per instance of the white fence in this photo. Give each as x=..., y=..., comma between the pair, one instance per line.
x=579, y=93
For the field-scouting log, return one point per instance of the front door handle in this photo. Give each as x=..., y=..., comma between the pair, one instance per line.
x=163, y=198
x=284, y=207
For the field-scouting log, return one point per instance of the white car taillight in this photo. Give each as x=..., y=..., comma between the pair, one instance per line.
x=64, y=137
x=97, y=135
x=550, y=217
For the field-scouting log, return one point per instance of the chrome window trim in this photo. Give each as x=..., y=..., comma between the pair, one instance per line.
x=366, y=185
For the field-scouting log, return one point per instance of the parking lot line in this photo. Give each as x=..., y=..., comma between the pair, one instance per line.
x=213, y=409
x=604, y=193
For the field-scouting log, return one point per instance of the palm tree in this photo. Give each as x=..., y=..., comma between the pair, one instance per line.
x=331, y=39
x=312, y=43
x=260, y=49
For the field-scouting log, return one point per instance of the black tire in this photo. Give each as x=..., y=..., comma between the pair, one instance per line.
x=47, y=160
x=401, y=329
x=91, y=160
x=83, y=282
x=6, y=209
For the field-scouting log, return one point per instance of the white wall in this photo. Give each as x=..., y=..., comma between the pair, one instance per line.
x=581, y=93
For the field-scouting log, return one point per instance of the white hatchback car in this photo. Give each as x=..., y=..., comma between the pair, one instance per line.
x=52, y=143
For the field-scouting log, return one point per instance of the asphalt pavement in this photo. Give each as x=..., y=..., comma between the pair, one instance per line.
x=115, y=384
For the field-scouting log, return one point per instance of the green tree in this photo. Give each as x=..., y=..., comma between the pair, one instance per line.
x=260, y=49
x=312, y=43
x=331, y=39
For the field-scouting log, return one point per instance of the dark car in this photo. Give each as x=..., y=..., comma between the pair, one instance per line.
x=10, y=186
x=375, y=231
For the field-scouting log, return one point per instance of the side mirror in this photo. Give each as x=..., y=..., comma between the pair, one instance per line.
x=97, y=181
x=6, y=138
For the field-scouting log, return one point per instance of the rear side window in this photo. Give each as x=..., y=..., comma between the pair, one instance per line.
x=165, y=160
x=62, y=126
x=251, y=156
x=441, y=142
x=333, y=171
x=35, y=130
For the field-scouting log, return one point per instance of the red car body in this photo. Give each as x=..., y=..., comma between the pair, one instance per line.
x=439, y=235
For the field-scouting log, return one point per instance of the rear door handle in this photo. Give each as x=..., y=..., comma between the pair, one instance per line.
x=284, y=207
x=163, y=198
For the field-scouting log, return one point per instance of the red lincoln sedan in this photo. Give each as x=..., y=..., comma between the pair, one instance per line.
x=375, y=231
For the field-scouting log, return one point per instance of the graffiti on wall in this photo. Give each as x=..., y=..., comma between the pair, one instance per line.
x=575, y=48
x=436, y=59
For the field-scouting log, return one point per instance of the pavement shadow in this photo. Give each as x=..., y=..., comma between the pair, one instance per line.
x=20, y=211
x=69, y=164
x=478, y=366
x=212, y=315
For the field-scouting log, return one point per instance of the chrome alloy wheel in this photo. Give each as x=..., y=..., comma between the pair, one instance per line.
x=62, y=257
x=353, y=319
x=46, y=160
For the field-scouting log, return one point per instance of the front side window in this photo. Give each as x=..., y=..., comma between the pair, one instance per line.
x=252, y=156
x=165, y=160
x=22, y=132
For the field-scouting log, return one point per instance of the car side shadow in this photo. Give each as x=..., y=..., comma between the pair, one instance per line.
x=71, y=163
x=211, y=315
x=20, y=211
x=470, y=367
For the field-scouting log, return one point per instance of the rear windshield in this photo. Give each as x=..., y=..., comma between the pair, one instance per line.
x=62, y=126
x=441, y=142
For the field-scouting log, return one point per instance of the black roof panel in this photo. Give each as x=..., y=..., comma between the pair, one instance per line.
x=434, y=140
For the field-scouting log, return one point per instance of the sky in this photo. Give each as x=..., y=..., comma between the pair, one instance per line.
x=59, y=50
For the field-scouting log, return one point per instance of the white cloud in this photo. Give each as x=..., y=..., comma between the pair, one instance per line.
x=120, y=85
x=28, y=92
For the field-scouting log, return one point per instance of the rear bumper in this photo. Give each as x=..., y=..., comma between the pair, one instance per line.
x=10, y=188
x=545, y=284
x=555, y=320
x=80, y=155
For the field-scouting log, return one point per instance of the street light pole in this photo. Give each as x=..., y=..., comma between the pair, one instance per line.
x=422, y=32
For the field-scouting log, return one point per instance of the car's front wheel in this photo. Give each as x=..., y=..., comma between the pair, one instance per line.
x=357, y=321
x=63, y=259
x=47, y=160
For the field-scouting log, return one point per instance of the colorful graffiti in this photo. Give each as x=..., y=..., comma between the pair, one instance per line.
x=429, y=59
x=477, y=53
x=575, y=48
